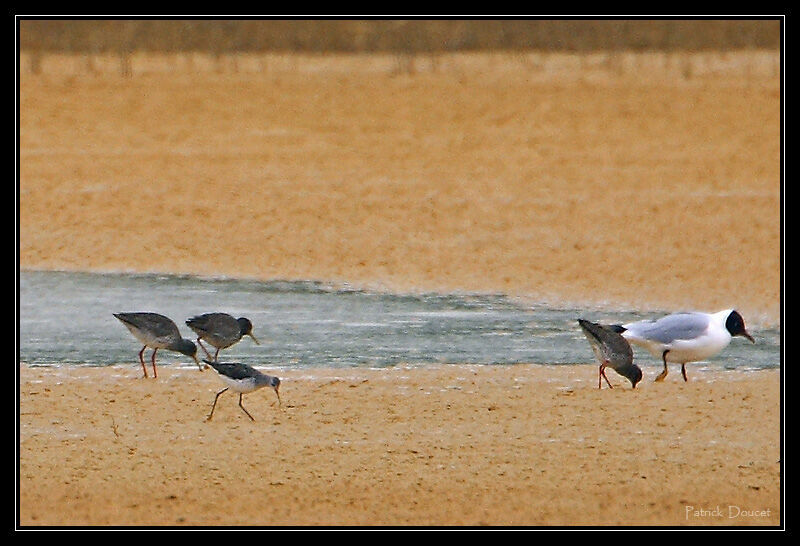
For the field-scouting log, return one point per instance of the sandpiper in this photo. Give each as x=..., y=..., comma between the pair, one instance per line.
x=220, y=330
x=241, y=378
x=612, y=350
x=158, y=332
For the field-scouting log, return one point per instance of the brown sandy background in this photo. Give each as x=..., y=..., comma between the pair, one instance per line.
x=647, y=181
x=453, y=445
x=557, y=183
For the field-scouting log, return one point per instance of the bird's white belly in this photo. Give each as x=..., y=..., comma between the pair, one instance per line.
x=681, y=351
x=239, y=385
x=149, y=340
x=693, y=351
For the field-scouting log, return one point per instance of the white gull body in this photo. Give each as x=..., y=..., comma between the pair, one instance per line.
x=686, y=337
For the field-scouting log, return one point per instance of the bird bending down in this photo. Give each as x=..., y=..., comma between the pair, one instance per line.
x=685, y=337
x=612, y=350
x=220, y=330
x=243, y=379
x=158, y=332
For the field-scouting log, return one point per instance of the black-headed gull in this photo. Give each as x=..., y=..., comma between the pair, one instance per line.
x=612, y=350
x=685, y=337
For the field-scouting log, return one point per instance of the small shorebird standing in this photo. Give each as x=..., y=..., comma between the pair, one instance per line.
x=220, y=330
x=158, y=332
x=612, y=350
x=685, y=337
x=241, y=378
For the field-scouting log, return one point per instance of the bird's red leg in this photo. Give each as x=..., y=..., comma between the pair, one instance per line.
x=603, y=375
x=154, y=362
x=141, y=359
x=610, y=386
x=204, y=348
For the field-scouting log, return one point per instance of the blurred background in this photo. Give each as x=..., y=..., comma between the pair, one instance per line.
x=122, y=38
x=625, y=164
x=370, y=36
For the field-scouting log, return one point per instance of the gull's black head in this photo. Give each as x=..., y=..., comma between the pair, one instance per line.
x=735, y=325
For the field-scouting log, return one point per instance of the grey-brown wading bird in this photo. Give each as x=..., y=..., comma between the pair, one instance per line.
x=220, y=330
x=243, y=379
x=685, y=337
x=158, y=332
x=612, y=350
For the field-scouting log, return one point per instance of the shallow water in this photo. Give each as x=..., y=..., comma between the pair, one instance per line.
x=66, y=319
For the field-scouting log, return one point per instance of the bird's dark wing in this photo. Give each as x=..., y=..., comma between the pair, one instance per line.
x=217, y=324
x=157, y=325
x=607, y=344
x=234, y=370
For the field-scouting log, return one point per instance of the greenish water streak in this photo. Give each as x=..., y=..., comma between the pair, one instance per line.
x=66, y=319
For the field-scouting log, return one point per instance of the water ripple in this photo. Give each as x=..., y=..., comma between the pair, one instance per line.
x=66, y=318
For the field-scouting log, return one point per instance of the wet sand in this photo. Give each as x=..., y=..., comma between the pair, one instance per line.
x=523, y=445
x=612, y=190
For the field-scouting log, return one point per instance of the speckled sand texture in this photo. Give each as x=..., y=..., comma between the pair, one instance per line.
x=639, y=187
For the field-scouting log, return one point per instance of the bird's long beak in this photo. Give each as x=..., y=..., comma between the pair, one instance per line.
x=254, y=339
x=278, y=395
x=200, y=366
x=748, y=336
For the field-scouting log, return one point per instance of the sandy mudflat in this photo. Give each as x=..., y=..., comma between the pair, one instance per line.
x=553, y=182
x=644, y=186
x=447, y=445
